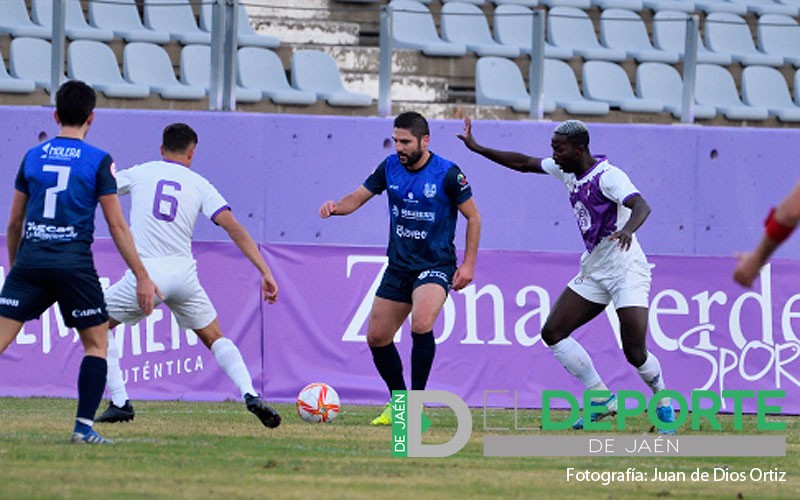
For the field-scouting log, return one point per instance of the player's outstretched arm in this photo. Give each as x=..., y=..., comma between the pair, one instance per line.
x=246, y=244
x=515, y=161
x=466, y=271
x=146, y=289
x=780, y=223
x=346, y=205
x=16, y=219
x=640, y=210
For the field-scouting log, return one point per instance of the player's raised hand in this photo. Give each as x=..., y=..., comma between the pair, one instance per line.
x=466, y=136
x=269, y=288
x=747, y=269
x=327, y=209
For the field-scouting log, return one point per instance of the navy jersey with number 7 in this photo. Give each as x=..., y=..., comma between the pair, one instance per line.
x=63, y=179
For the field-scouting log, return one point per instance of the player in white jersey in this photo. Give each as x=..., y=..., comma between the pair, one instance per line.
x=166, y=200
x=608, y=209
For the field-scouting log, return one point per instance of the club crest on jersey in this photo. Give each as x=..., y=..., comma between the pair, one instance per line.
x=429, y=190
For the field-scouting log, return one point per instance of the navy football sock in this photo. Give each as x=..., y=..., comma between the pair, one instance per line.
x=390, y=367
x=91, y=383
x=422, y=353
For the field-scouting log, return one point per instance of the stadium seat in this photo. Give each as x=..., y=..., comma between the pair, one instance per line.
x=634, y=5
x=16, y=22
x=13, y=85
x=94, y=63
x=261, y=69
x=30, y=59
x=465, y=23
x=471, y=2
x=316, y=71
x=766, y=87
x=709, y=6
x=606, y=81
x=780, y=35
x=715, y=87
x=75, y=25
x=669, y=33
x=625, y=30
x=149, y=64
x=561, y=87
x=761, y=7
x=175, y=17
x=513, y=25
x=526, y=3
x=122, y=18
x=729, y=34
x=662, y=82
x=578, y=4
x=570, y=27
x=413, y=28
x=196, y=71
x=245, y=34
x=499, y=82
x=676, y=5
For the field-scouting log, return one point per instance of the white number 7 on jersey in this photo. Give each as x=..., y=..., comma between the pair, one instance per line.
x=51, y=192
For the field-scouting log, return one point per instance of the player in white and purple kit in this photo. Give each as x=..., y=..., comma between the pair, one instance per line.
x=167, y=197
x=608, y=209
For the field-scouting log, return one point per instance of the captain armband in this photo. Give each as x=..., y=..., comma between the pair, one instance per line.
x=775, y=230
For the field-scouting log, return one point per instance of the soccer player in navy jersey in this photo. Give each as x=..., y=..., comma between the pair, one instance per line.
x=779, y=225
x=50, y=231
x=425, y=193
x=608, y=209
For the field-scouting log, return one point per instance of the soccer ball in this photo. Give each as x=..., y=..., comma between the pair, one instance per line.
x=317, y=402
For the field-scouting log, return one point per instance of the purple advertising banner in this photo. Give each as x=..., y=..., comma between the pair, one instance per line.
x=708, y=333
x=159, y=360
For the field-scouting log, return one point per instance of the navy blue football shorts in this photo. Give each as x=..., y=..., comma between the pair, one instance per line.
x=399, y=284
x=28, y=292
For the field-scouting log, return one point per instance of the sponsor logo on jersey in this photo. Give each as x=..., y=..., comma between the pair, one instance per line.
x=417, y=215
x=49, y=232
x=583, y=216
x=462, y=180
x=429, y=190
x=60, y=152
x=414, y=234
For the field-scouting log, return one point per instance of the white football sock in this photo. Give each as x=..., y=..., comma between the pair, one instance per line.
x=577, y=362
x=230, y=360
x=114, y=381
x=650, y=371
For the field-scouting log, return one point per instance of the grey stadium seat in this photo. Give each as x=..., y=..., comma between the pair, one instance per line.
x=316, y=71
x=14, y=85
x=465, y=23
x=571, y=28
x=196, y=71
x=122, y=18
x=625, y=30
x=669, y=33
x=175, y=17
x=413, y=28
x=606, y=81
x=513, y=25
x=715, y=87
x=262, y=69
x=16, y=22
x=561, y=86
x=94, y=63
x=149, y=64
x=245, y=34
x=764, y=86
x=780, y=35
x=499, y=82
x=30, y=59
x=75, y=25
x=729, y=34
x=662, y=82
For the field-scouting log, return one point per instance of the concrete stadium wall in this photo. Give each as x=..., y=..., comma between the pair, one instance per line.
x=709, y=187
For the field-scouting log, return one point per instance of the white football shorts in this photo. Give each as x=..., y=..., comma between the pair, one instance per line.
x=628, y=288
x=176, y=278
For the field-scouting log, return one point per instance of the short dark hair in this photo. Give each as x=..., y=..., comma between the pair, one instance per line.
x=75, y=102
x=413, y=122
x=575, y=131
x=178, y=137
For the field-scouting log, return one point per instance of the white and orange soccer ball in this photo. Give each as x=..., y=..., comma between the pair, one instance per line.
x=318, y=402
